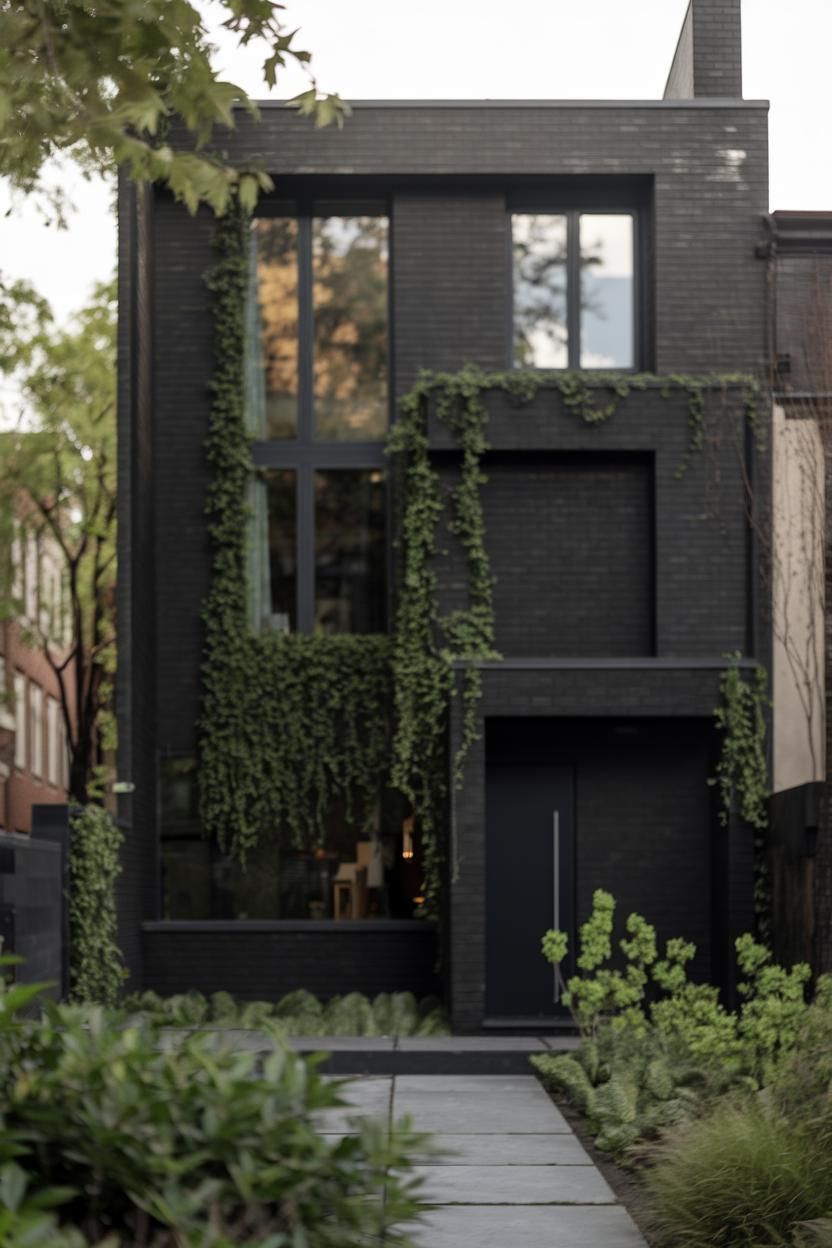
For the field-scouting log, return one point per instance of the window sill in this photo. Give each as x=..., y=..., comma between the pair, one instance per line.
x=245, y=927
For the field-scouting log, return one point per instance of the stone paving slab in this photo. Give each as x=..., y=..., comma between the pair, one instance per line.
x=508, y=1150
x=343, y=1044
x=525, y=1226
x=514, y=1185
x=369, y=1098
x=521, y=1112
x=464, y=1085
x=472, y=1044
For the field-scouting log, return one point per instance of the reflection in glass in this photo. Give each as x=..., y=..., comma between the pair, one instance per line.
x=606, y=291
x=279, y=881
x=282, y=513
x=540, y=329
x=276, y=248
x=349, y=258
x=349, y=551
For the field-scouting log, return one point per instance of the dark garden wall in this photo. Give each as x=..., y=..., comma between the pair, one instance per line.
x=32, y=919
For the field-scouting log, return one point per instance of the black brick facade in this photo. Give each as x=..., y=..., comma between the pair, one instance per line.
x=673, y=587
x=257, y=961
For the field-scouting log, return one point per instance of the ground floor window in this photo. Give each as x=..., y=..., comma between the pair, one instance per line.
x=356, y=873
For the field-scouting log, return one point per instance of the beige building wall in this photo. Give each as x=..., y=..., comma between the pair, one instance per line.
x=798, y=600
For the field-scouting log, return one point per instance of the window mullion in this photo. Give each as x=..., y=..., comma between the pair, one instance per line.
x=306, y=330
x=573, y=289
x=306, y=548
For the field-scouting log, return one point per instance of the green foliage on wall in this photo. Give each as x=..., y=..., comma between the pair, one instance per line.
x=305, y=725
x=742, y=771
x=96, y=969
x=292, y=724
x=742, y=774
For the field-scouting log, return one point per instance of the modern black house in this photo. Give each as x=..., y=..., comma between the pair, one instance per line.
x=562, y=249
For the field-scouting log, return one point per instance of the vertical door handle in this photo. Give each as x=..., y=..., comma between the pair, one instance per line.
x=556, y=889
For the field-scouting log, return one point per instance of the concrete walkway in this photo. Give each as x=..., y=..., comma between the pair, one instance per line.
x=514, y=1174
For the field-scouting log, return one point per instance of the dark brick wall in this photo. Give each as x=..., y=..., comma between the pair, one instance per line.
x=699, y=586
x=717, y=48
x=570, y=539
x=266, y=960
x=708, y=59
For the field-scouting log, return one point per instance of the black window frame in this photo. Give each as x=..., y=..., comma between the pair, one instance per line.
x=305, y=454
x=573, y=209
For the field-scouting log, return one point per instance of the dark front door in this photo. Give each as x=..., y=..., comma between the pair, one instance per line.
x=530, y=884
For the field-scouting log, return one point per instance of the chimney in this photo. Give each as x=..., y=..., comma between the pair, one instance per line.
x=708, y=59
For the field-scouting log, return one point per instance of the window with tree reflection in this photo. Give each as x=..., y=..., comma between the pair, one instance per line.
x=317, y=406
x=573, y=290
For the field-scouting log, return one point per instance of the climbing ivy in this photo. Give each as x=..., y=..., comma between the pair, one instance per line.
x=742, y=770
x=96, y=969
x=742, y=773
x=292, y=724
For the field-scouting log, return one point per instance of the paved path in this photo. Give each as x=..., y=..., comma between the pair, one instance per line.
x=515, y=1175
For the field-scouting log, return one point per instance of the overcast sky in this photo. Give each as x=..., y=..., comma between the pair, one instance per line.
x=474, y=49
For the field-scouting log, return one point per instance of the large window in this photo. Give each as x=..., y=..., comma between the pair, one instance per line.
x=573, y=290
x=317, y=408
x=354, y=875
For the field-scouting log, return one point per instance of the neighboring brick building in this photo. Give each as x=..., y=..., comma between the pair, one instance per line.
x=33, y=738
x=621, y=235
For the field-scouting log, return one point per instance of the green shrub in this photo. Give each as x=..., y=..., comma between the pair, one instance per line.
x=96, y=968
x=743, y=1177
x=299, y=1013
x=657, y=1048
x=192, y=1146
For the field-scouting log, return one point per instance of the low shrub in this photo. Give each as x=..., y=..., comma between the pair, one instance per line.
x=743, y=1177
x=657, y=1048
x=103, y=1133
x=299, y=1013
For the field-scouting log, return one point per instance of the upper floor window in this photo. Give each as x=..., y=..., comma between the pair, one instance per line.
x=317, y=410
x=321, y=308
x=573, y=290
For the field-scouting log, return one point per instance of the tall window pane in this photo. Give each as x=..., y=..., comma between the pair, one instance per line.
x=606, y=291
x=540, y=328
x=349, y=551
x=276, y=251
x=282, y=564
x=349, y=275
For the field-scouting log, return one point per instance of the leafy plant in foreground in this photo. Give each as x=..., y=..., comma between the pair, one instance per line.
x=186, y=1145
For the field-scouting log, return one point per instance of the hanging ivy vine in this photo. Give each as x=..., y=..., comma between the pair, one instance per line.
x=742, y=775
x=290, y=724
x=293, y=724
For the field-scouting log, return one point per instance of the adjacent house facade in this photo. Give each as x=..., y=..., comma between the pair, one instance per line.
x=33, y=729
x=616, y=244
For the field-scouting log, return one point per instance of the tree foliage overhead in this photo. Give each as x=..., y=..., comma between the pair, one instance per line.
x=59, y=483
x=101, y=79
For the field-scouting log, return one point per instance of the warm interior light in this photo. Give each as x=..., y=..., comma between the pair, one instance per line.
x=407, y=837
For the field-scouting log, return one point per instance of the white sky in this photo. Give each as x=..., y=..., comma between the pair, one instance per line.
x=473, y=49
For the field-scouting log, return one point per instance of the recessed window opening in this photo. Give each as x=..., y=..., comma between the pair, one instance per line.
x=573, y=290
x=317, y=408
